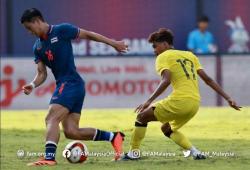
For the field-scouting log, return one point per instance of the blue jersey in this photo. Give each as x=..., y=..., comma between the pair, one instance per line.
x=55, y=51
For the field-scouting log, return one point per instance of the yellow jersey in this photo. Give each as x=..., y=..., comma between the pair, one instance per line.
x=183, y=66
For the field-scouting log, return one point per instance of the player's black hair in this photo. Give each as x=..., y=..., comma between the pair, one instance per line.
x=203, y=18
x=162, y=35
x=30, y=14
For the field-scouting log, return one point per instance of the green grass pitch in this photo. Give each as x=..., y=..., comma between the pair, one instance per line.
x=213, y=130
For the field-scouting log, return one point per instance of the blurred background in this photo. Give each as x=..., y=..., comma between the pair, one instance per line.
x=217, y=30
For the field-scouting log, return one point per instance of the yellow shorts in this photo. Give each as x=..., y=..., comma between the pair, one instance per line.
x=176, y=112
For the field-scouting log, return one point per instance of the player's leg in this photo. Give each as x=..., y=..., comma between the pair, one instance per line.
x=181, y=140
x=139, y=132
x=56, y=114
x=176, y=136
x=72, y=131
x=155, y=113
x=183, y=111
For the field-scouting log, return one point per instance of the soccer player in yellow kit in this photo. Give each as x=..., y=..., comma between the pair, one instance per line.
x=181, y=70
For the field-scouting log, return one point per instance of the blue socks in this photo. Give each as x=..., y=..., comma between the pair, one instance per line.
x=102, y=135
x=50, y=150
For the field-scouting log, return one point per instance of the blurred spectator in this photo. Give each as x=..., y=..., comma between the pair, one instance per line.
x=200, y=40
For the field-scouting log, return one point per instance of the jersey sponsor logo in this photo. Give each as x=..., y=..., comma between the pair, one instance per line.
x=54, y=97
x=53, y=40
x=49, y=55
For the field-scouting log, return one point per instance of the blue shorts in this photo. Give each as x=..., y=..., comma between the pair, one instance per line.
x=70, y=94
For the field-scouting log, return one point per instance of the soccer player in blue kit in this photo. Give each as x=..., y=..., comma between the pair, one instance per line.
x=53, y=49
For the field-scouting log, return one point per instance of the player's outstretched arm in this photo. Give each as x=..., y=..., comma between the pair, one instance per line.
x=120, y=46
x=38, y=80
x=165, y=82
x=216, y=87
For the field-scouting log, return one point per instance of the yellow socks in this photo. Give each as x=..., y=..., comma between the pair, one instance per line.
x=137, y=135
x=181, y=140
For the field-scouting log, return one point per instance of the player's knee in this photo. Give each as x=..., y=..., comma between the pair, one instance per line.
x=141, y=118
x=70, y=133
x=67, y=134
x=166, y=129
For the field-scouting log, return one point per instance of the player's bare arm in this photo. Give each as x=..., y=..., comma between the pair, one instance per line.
x=165, y=82
x=120, y=46
x=38, y=80
x=210, y=82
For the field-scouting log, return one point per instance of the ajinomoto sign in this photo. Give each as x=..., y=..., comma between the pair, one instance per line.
x=109, y=82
